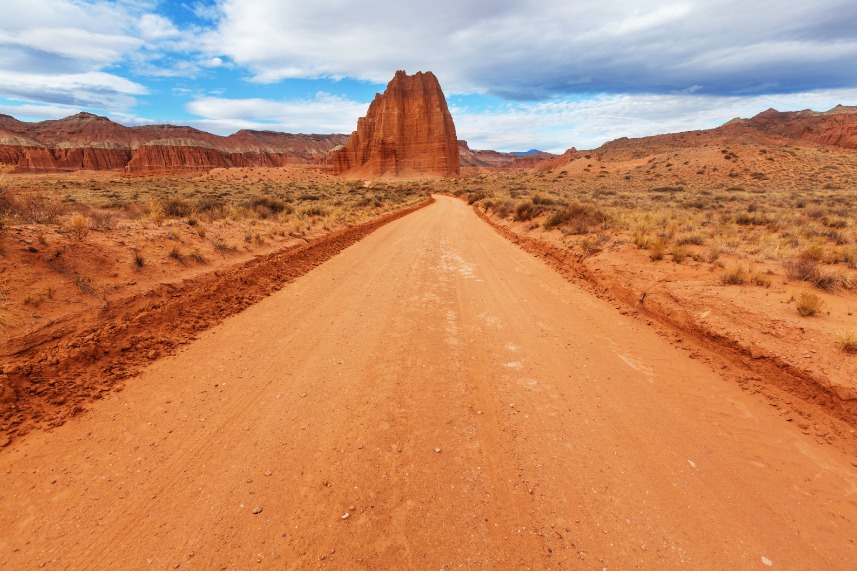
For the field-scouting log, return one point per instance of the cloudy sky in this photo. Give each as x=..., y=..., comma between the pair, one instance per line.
x=518, y=74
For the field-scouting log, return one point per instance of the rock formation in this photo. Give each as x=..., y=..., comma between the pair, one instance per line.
x=835, y=128
x=495, y=159
x=89, y=142
x=407, y=132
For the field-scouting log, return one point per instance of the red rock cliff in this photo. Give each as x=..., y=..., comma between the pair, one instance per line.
x=87, y=141
x=407, y=132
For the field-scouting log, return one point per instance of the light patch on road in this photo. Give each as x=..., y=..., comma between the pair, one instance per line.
x=638, y=366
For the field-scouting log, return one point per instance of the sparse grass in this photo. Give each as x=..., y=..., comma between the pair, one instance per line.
x=657, y=250
x=736, y=276
x=137, y=258
x=760, y=280
x=809, y=304
x=176, y=254
x=680, y=253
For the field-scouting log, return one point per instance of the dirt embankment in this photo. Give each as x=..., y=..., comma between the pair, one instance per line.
x=50, y=379
x=800, y=385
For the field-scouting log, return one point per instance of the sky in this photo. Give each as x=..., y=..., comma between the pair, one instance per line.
x=517, y=74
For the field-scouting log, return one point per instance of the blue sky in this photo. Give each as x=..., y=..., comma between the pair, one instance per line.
x=517, y=75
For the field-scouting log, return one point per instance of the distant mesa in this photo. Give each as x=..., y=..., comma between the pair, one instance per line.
x=90, y=142
x=495, y=159
x=407, y=132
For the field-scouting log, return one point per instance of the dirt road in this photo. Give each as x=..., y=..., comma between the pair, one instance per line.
x=430, y=398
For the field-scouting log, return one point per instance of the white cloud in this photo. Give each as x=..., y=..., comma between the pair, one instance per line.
x=31, y=112
x=586, y=124
x=75, y=52
x=324, y=113
x=92, y=89
x=542, y=48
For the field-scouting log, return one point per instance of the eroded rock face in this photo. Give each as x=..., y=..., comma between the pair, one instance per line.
x=407, y=132
x=89, y=142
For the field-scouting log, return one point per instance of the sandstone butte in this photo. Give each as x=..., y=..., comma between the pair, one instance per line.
x=90, y=142
x=407, y=132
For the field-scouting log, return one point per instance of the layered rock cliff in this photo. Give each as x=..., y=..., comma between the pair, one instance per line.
x=834, y=128
x=89, y=142
x=407, y=132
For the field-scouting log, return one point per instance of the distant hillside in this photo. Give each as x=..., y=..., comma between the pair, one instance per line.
x=835, y=128
x=496, y=159
x=87, y=141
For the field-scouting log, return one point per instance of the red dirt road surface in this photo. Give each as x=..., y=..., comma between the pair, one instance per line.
x=430, y=398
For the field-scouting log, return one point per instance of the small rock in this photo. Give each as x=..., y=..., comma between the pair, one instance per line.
x=268, y=472
x=351, y=508
x=256, y=510
x=767, y=561
x=437, y=450
x=346, y=515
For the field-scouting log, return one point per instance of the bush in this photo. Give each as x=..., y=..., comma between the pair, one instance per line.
x=737, y=276
x=809, y=304
x=679, y=253
x=576, y=215
x=504, y=209
x=526, y=211
x=77, y=225
x=176, y=208
x=657, y=250
x=847, y=341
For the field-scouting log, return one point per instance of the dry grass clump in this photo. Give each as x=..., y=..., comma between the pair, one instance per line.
x=809, y=304
x=77, y=225
x=808, y=267
x=657, y=250
x=847, y=341
x=736, y=276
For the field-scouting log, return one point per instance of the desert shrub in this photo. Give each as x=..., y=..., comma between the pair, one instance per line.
x=679, y=253
x=526, y=211
x=137, y=258
x=264, y=207
x=712, y=255
x=847, y=341
x=503, y=210
x=736, y=276
x=176, y=254
x=314, y=211
x=156, y=213
x=576, y=215
x=209, y=205
x=657, y=250
x=805, y=267
x=102, y=219
x=198, y=257
x=176, y=208
x=475, y=197
x=808, y=267
x=809, y=304
x=760, y=280
x=543, y=200
x=691, y=239
x=77, y=225
x=32, y=208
